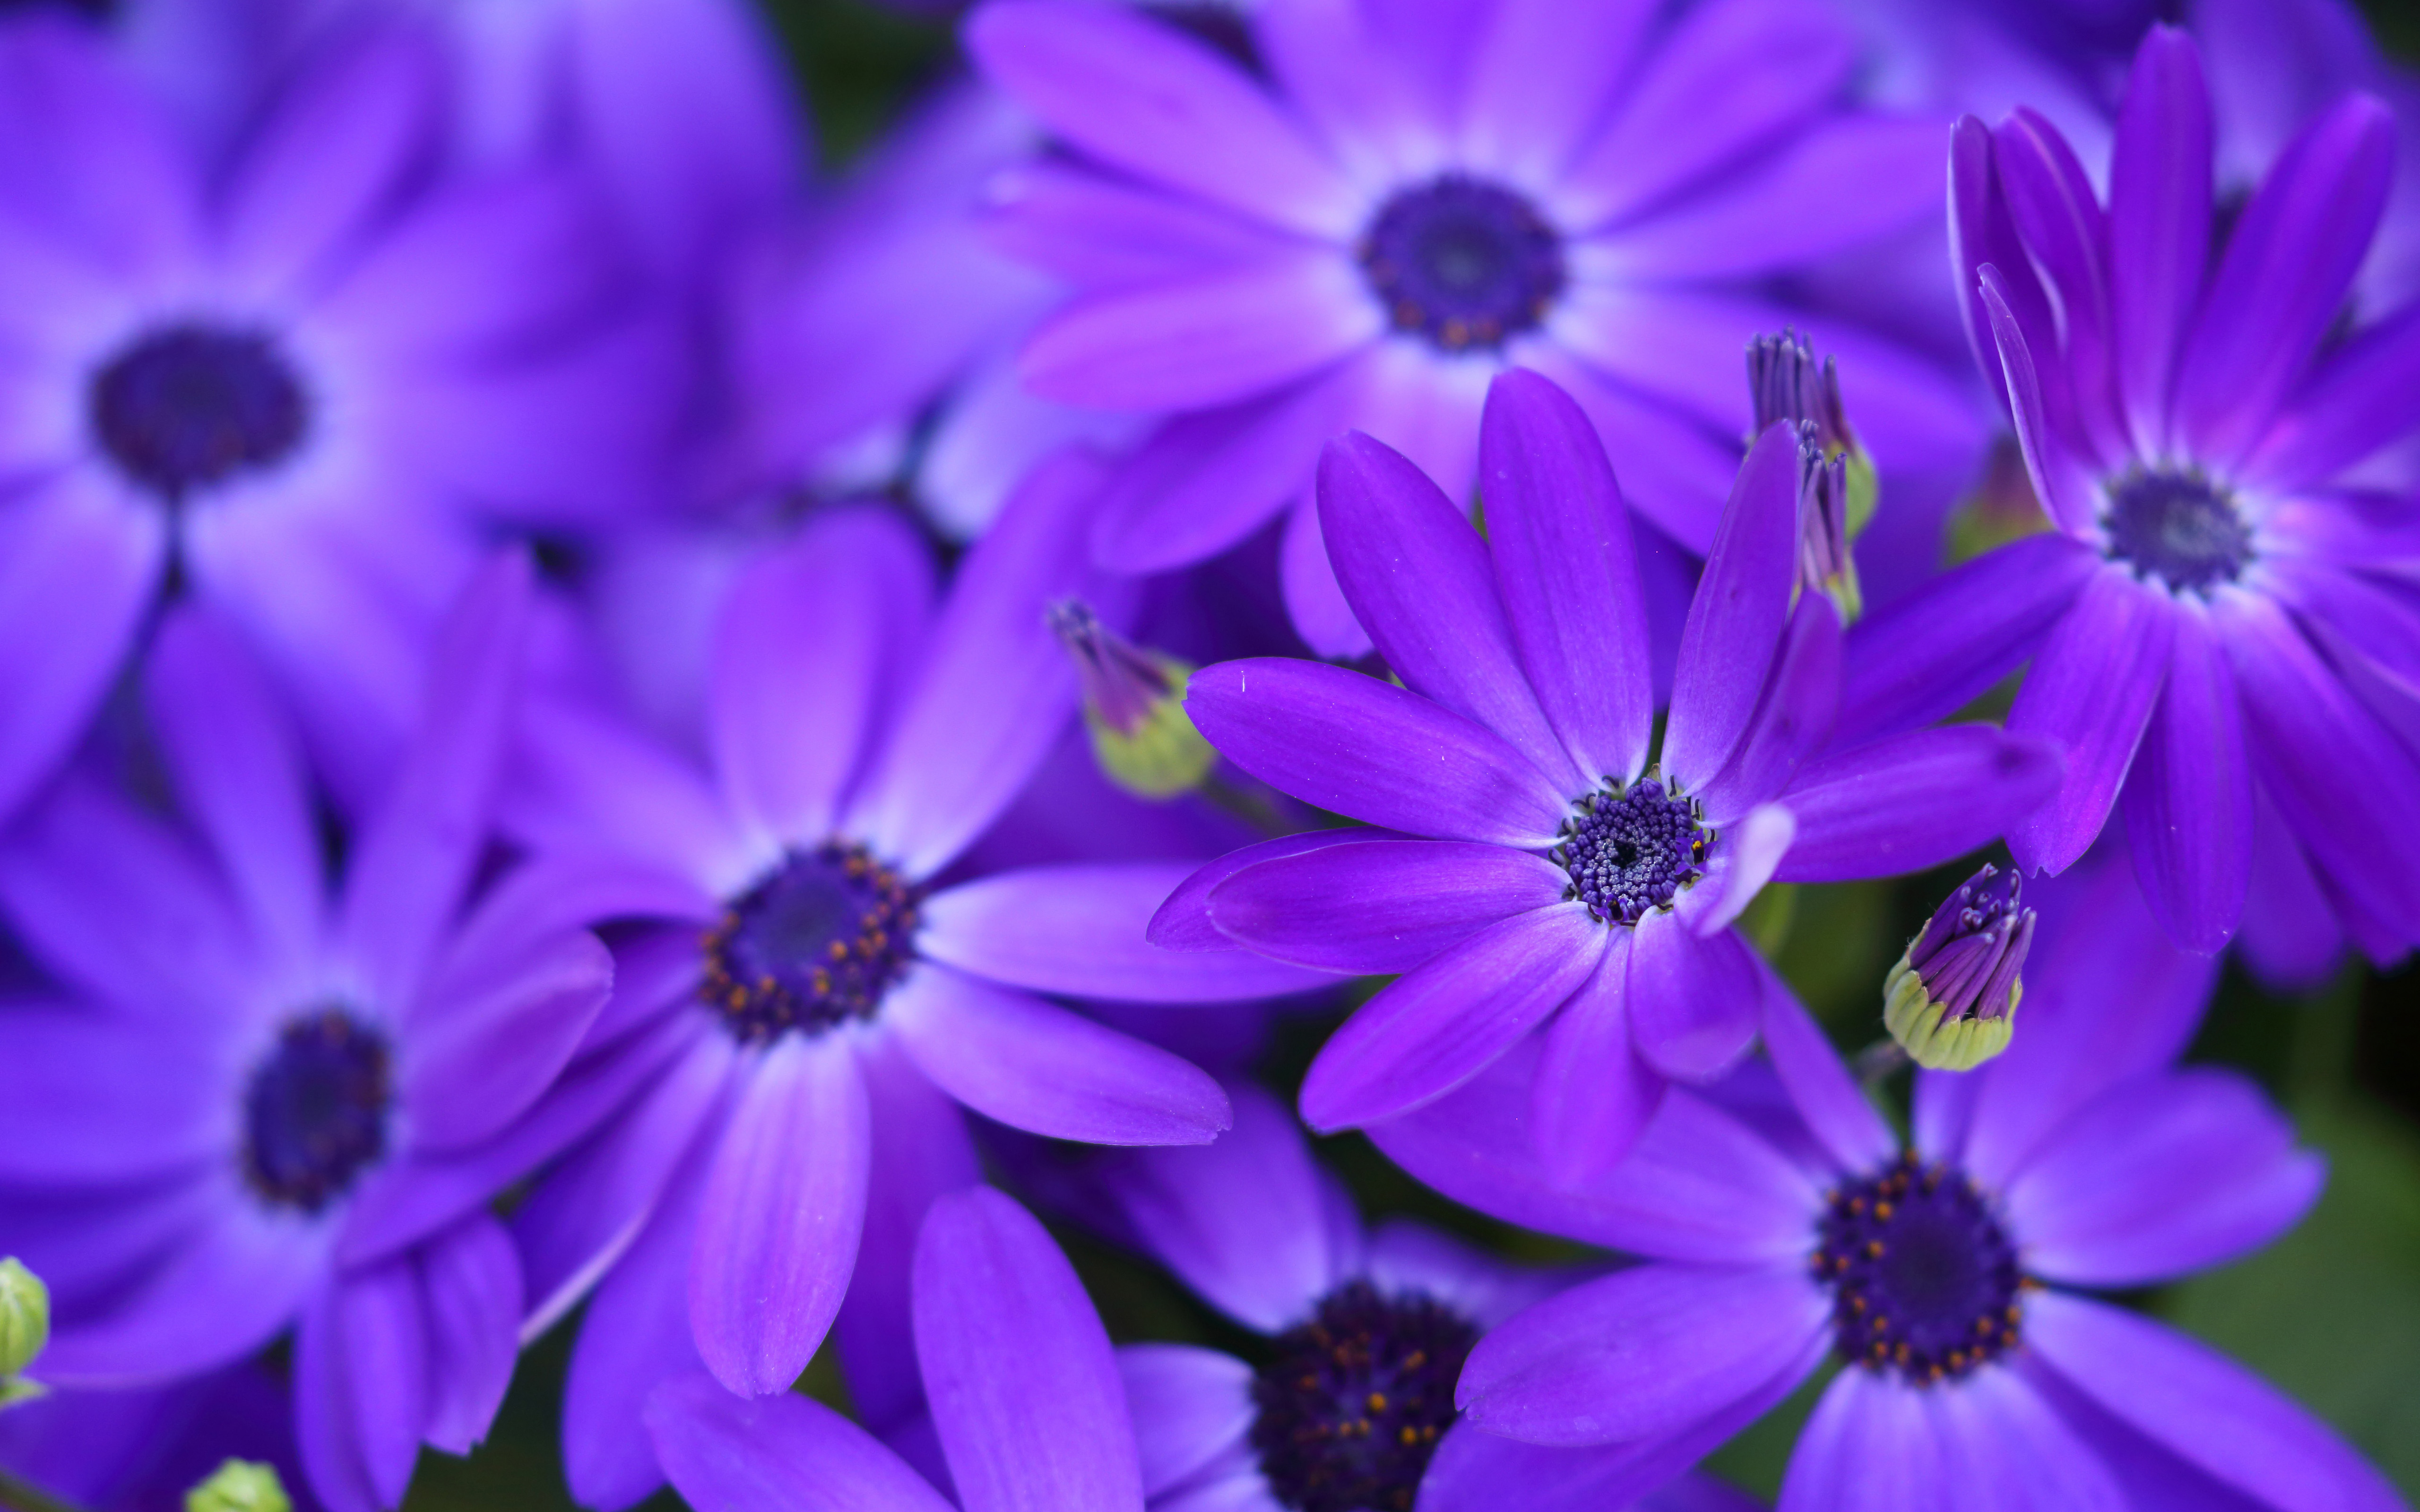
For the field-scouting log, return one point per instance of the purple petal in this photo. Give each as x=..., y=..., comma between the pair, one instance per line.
x=2201, y=1407
x=1418, y=579
x=1793, y=715
x=1025, y=1391
x=485, y=1047
x=2054, y=469
x=1873, y=1444
x=1674, y=475
x=1540, y=76
x=2159, y=223
x=382, y=1367
x=1939, y=648
x=2049, y=198
x=1356, y=746
x=996, y=689
x=1563, y=565
x=323, y=1428
x=784, y=1201
x=471, y=1285
x=1907, y=802
x=1821, y=1089
x=1036, y=1066
x=1314, y=601
x=1693, y=1001
x=2189, y=799
x=1436, y=1029
x=1079, y=929
x=2101, y=1204
x=2290, y=938
x=1592, y=1095
x=1183, y=922
x=103, y=1101
x=2345, y=412
x=585, y=784
x=1244, y=1222
x=636, y=1334
x=1143, y=96
x=1382, y=908
x=737, y=1454
x=2093, y=689
x=2000, y=1432
x=2289, y=259
x=1735, y=622
x=1189, y=1406
x=809, y=638
x=1743, y=864
x=1642, y=1353
x=1090, y=231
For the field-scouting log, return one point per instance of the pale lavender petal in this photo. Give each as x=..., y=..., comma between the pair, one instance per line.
x=1998, y=1430
x=2159, y=223
x=784, y=1201
x=1793, y=719
x=1736, y=621
x=1436, y=1029
x=775, y=1453
x=1354, y=745
x=2344, y=412
x=584, y=783
x=1025, y=1390
x=1938, y=648
x=1693, y=1001
x=2093, y=689
x=1189, y=1406
x=1011, y=1057
x=471, y=1291
x=1540, y=76
x=1825, y=1095
x=1907, y=802
x=2188, y=800
x=1183, y=922
x=1077, y=930
x=1593, y=1095
x=1090, y=231
x=1383, y=907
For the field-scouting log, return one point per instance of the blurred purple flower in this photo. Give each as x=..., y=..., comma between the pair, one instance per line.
x=256, y=1105
x=2219, y=626
x=135, y=1451
x=803, y=970
x=1562, y=876
x=1409, y=200
x=304, y=390
x=1781, y=1222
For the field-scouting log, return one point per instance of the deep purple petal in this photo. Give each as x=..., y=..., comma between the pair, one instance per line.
x=1183, y=922
x=323, y=1429
x=791, y=1453
x=471, y=1285
x=1735, y=622
x=1077, y=930
x=1794, y=713
x=2290, y=938
x=1593, y=1095
x=100, y=1101
x=2158, y=223
x=1040, y=1068
x=485, y=1047
x=2054, y=469
x=1563, y=565
x=1383, y=907
x=2188, y=801
x=777, y=1236
x=2345, y=411
x=1874, y=1445
x=2093, y=689
x=1438, y=1026
x=1693, y=1001
x=2202, y=1407
x=1357, y=745
x=382, y=1366
x=1907, y=802
x=1998, y=1430
x=1025, y=1390
x=1638, y=1354
x=2049, y=198
x=1189, y=1406
x=1314, y=601
x=1827, y=1096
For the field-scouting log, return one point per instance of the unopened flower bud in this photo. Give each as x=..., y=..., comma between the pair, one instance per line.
x=1134, y=708
x=1825, y=563
x=239, y=1486
x=1786, y=385
x=24, y=1327
x=1951, y=1001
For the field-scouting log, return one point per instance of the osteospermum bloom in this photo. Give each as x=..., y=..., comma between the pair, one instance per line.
x=304, y=385
x=2217, y=626
x=807, y=998
x=1536, y=866
x=1411, y=198
x=1782, y=1222
x=255, y=1106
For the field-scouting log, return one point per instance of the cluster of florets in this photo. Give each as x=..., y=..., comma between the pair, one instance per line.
x=314, y=1113
x=1633, y=851
x=1924, y=1280
x=1354, y=1399
x=1463, y=262
x=815, y=944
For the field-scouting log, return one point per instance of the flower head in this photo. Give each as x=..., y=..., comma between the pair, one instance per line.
x=1951, y=1000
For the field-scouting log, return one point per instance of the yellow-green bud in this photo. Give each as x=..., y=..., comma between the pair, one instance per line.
x=25, y=1329
x=1951, y=1000
x=239, y=1486
x=1134, y=708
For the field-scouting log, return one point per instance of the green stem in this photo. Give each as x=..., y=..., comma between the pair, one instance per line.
x=2319, y=1066
x=25, y=1496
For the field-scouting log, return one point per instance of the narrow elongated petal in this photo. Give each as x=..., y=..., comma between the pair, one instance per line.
x=1025, y=1391
x=1693, y=1000
x=1997, y=1426
x=1079, y=929
x=1736, y=619
x=1440, y=1026
x=1593, y=1093
x=2159, y=223
x=635, y=1336
x=1936, y=649
x=777, y=1234
x=1743, y=862
x=1793, y=715
x=1981, y=236
x=2093, y=689
x=1357, y=745
x=1183, y=922
x=2054, y=470
x=776, y=1454
x=1384, y=907
x=2189, y=797
x=471, y=1285
x=1914, y=800
x=2051, y=201
x=384, y=1370
x=2345, y=411
x=1560, y=539
x=1189, y=1406
x=1820, y=1087
x=484, y=1048
x=1873, y=1444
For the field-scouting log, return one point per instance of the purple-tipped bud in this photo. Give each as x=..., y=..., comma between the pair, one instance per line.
x=1837, y=483
x=1826, y=564
x=1951, y=1000
x=1133, y=707
x=1785, y=383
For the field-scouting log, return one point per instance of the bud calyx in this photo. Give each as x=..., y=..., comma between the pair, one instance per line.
x=1951, y=1000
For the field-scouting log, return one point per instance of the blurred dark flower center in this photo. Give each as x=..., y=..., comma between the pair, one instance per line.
x=1924, y=1280
x=315, y=1113
x=1462, y=262
x=1633, y=851
x=816, y=943
x=191, y=404
x=1353, y=1401
x=2178, y=527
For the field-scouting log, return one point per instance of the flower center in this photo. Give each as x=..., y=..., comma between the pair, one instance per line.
x=1924, y=1280
x=1462, y=262
x=2178, y=527
x=191, y=404
x=1632, y=851
x=816, y=943
x=315, y=1113
x=1354, y=1400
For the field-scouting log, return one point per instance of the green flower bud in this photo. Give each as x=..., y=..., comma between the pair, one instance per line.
x=1951, y=1000
x=1134, y=708
x=239, y=1486
x=25, y=1316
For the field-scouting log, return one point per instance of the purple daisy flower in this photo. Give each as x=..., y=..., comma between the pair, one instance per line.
x=1536, y=869
x=1367, y=1330
x=255, y=1106
x=1781, y=1221
x=131, y=1451
x=1409, y=200
x=2219, y=628
x=805, y=969
x=305, y=385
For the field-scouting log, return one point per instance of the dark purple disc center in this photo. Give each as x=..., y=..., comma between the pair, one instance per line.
x=314, y=1115
x=1463, y=262
x=1924, y=1279
x=1352, y=1402
x=191, y=405
x=1632, y=852
x=816, y=943
x=2179, y=528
